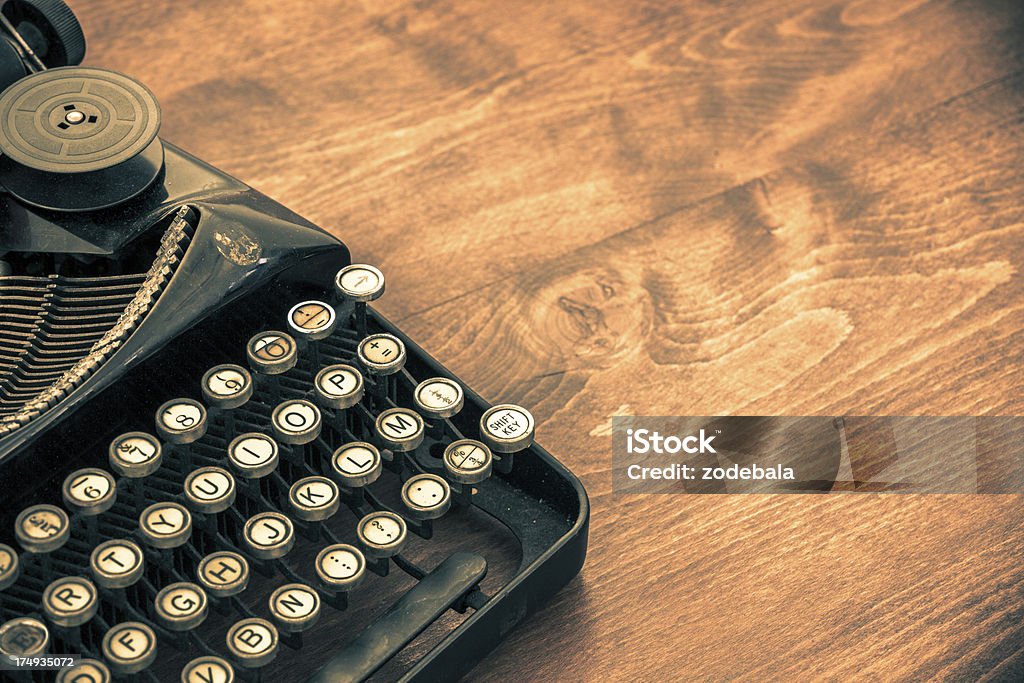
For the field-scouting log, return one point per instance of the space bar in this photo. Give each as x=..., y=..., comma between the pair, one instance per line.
x=406, y=619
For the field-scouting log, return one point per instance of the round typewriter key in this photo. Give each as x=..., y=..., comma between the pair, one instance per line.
x=10, y=567
x=296, y=422
x=439, y=397
x=117, y=563
x=129, y=647
x=381, y=354
x=253, y=642
x=181, y=420
x=70, y=601
x=507, y=428
x=467, y=461
x=180, y=606
x=23, y=637
x=382, y=534
x=427, y=496
x=166, y=525
x=339, y=386
x=269, y=535
x=295, y=607
x=135, y=454
x=85, y=671
x=90, y=491
x=356, y=464
x=210, y=489
x=227, y=386
x=314, y=499
x=253, y=455
x=312, y=320
x=272, y=353
x=42, y=528
x=223, y=573
x=359, y=282
x=400, y=429
x=208, y=669
x=341, y=566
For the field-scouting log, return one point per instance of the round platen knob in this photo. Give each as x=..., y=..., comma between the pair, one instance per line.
x=78, y=139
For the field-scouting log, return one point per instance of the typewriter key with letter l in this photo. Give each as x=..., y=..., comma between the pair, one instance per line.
x=356, y=464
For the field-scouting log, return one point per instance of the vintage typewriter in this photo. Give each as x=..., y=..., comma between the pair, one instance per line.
x=217, y=461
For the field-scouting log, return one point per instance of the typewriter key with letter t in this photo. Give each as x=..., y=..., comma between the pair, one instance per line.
x=90, y=491
x=223, y=573
x=23, y=637
x=166, y=525
x=253, y=642
x=10, y=567
x=227, y=386
x=312, y=320
x=42, y=528
x=85, y=671
x=208, y=669
x=272, y=352
x=295, y=607
x=180, y=606
x=70, y=601
x=181, y=420
x=356, y=464
x=269, y=535
x=135, y=454
x=130, y=647
x=117, y=563
x=341, y=567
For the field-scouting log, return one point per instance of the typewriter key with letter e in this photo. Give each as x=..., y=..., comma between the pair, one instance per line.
x=23, y=637
x=129, y=647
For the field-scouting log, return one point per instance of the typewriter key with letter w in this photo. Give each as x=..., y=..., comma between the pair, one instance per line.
x=218, y=462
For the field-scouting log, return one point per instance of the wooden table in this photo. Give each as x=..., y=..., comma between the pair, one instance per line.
x=692, y=208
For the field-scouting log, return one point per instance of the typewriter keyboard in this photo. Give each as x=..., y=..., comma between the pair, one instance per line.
x=181, y=552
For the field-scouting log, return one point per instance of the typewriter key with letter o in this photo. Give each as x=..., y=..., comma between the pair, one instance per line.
x=70, y=601
x=135, y=454
x=295, y=607
x=439, y=397
x=356, y=464
x=341, y=567
x=181, y=420
x=180, y=606
x=296, y=421
x=338, y=386
x=227, y=386
x=253, y=642
x=117, y=563
x=85, y=671
x=130, y=647
x=382, y=534
x=507, y=428
x=23, y=637
x=312, y=320
x=359, y=282
x=223, y=573
x=166, y=525
x=269, y=535
x=272, y=353
x=427, y=496
x=42, y=528
x=400, y=429
x=208, y=669
x=91, y=491
x=381, y=354
x=10, y=567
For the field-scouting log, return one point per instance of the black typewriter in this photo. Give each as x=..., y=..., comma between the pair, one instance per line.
x=218, y=463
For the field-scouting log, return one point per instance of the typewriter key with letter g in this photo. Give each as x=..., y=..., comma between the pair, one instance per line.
x=180, y=606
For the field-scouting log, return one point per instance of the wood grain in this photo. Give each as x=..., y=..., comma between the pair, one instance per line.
x=610, y=208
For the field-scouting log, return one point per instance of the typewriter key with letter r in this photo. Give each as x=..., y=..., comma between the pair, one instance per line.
x=70, y=601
